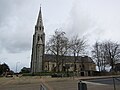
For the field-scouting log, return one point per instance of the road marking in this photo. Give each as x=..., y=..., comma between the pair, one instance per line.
x=93, y=83
x=46, y=85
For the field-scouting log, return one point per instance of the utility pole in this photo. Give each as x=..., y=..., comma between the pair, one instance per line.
x=17, y=66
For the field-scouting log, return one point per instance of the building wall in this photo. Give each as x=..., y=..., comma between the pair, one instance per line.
x=50, y=66
x=38, y=46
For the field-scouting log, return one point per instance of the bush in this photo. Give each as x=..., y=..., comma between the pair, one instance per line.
x=53, y=74
x=27, y=74
x=38, y=74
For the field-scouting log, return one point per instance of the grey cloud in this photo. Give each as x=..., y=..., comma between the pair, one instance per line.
x=5, y=9
x=96, y=18
x=15, y=26
x=80, y=20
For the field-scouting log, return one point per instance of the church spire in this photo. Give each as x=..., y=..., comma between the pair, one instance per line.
x=38, y=46
x=39, y=20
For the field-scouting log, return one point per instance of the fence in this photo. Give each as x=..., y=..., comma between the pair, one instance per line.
x=42, y=87
x=114, y=82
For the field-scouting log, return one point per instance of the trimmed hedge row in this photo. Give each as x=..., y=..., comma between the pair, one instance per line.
x=64, y=74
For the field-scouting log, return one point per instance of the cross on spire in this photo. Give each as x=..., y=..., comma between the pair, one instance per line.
x=39, y=20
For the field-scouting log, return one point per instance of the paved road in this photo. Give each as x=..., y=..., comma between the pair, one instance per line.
x=108, y=81
x=70, y=84
x=33, y=83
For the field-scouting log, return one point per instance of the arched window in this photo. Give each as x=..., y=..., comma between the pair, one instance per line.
x=42, y=37
x=38, y=38
x=36, y=27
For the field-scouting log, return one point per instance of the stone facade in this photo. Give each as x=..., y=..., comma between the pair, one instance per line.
x=84, y=64
x=46, y=62
x=38, y=46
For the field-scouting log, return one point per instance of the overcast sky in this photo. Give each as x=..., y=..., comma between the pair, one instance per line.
x=95, y=19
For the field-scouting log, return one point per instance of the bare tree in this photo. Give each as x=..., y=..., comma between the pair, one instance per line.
x=58, y=46
x=113, y=52
x=106, y=53
x=96, y=54
x=103, y=57
x=64, y=50
x=77, y=47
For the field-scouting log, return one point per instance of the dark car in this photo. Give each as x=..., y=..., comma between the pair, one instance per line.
x=56, y=75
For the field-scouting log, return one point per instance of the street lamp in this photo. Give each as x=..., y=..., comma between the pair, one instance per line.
x=17, y=66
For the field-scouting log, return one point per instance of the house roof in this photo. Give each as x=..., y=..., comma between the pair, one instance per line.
x=68, y=59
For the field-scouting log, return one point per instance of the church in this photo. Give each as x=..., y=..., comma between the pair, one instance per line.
x=41, y=62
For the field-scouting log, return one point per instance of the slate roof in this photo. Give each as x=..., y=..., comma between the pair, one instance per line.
x=68, y=59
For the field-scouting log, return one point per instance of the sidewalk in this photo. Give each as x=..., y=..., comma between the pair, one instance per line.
x=33, y=83
x=72, y=84
x=23, y=83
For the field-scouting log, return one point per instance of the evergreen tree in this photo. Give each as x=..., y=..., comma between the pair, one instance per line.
x=4, y=68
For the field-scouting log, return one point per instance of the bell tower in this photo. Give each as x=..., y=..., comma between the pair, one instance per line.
x=38, y=46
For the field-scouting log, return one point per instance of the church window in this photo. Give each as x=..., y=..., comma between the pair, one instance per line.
x=53, y=65
x=36, y=28
x=40, y=28
x=72, y=65
x=75, y=66
x=42, y=37
x=38, y=38
x=83, y=66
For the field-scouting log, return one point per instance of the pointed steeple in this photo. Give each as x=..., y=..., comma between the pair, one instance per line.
x=39, y=20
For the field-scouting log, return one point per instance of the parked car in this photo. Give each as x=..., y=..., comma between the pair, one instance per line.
x=56, y=75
